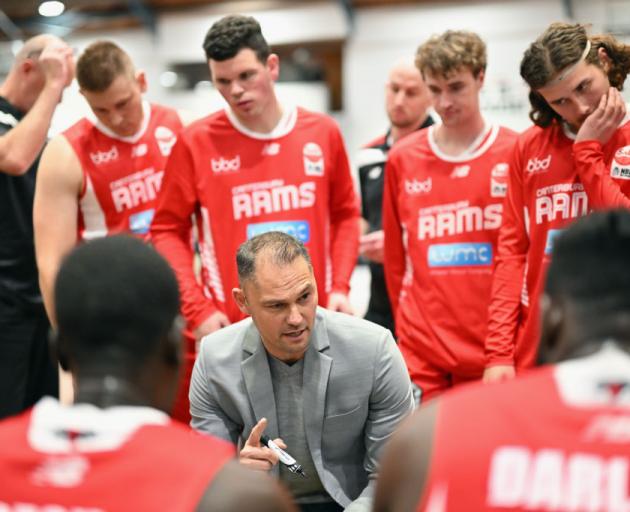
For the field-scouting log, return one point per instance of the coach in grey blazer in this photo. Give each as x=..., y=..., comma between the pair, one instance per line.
x=355, y=387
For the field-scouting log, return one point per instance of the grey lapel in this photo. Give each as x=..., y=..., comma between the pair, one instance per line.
x=255, y=368
x=317, y=367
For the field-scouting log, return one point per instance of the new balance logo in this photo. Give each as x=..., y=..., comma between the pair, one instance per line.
x=103, y=157
x=139, y=150
x=271, y=149
x=413, y=187
x=538, y=164
x=461, y=171
x=225, y=165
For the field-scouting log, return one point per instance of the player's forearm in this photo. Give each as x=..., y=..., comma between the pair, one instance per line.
x=344, y=251
x=600, y=187
x=20, y=146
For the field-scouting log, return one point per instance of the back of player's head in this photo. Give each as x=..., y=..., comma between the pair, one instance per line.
x=280, y=247
x=116, y=300
x=100, y=64
x=589, y=269
x=231, y=34
x=561, y=46
x=444, y=54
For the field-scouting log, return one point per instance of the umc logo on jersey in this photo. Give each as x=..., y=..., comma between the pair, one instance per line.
x=536, y=165
x=460, y=255
x=620, y=166
x=224, y=165
x=499, y=180
x=313, y=159
x=299, y=229
x=104, y=157
x=166, y=139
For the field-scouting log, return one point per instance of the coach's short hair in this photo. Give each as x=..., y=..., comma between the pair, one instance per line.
x=231, y=34
x=115, y=299
x=280, y=247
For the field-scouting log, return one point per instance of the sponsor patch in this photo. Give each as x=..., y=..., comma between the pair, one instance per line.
x=313, y=159
x=620, y=166
x=460, y=255
x=139, y=223
x=300, y=229
x=166, y=139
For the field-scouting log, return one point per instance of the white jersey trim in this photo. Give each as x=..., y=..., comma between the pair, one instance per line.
x=579, y=380
x=108, y=428
x=284, y=126
x=132, y=139
x=489, y=133
x=94, y=224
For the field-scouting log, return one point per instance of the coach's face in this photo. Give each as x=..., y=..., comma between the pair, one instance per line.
x=282, y=300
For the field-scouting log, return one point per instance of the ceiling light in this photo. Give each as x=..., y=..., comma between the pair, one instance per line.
x=51, y=8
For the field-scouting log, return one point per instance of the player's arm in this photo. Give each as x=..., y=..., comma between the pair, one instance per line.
x=602, y=190
x=402, y=482
x=170, y=234
x=394, y=248
x=344, y=228
x=20, y=146
x=505, y=300
x=59, y=182
x=236, y=488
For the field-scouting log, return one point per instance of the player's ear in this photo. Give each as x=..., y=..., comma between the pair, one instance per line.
x=241, y=300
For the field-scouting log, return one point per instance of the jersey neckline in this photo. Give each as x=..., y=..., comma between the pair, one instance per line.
x=284, y=126
x=131, y=139
x=477, y=148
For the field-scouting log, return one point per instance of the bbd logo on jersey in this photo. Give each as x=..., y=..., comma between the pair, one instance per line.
x=413, y=187
x=313, y=159
x=499, y=180
x=223, y=165
x=166, y=139
x=535, y=165
x=104, y=157
x=620, y=166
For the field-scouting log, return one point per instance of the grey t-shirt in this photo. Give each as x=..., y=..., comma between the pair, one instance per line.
x=287, y=389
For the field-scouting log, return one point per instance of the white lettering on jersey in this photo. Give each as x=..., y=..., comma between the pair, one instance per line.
x=620, y=166
x=166, y=139
x=278, y=198
x=464, y=219
x=550, y=479
x=413, y=187
x=313, y=159
x=104, y=157
x=223, y=165
x=49, y=507
x=139, y=188
x=564, y=201
x=535, y=165
x=68, y=471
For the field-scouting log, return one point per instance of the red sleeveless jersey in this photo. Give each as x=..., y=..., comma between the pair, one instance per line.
x=441, y=217
x=122, y=175
x=86, y=459
x=555, y=439
x=552, y=182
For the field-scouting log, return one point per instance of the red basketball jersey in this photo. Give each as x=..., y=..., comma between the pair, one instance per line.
x=83, y=458
x=122, y=176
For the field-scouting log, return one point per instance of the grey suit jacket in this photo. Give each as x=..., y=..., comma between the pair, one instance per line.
x=356, y=390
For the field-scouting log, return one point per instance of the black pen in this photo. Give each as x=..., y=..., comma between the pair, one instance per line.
x=285, y=458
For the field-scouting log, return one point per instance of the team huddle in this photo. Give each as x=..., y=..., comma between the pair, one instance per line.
x=202, y=271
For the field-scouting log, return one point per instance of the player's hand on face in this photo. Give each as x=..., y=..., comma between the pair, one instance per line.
x=371, y=246
x=214, y=322
x=340, y=302
x=256, y=456
x=57, y=62
x=603, y=122
x=499, y=373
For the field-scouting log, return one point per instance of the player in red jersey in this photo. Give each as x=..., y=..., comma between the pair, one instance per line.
x=576, y=159
x=555, y=438
x=444, y=188
x=257, y=166
x=119, y=333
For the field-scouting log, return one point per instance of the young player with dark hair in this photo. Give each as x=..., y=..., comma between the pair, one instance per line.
x=555, y=438
x=574, y=160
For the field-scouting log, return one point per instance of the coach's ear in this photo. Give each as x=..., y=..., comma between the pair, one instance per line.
x=552, y=321
x=241, y=300
x=57, y=349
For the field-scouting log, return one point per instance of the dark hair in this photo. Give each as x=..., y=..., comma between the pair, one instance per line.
x=231, y=34
x=559, y=47
x=115, y=299
x=590, y=266
x=281, y=247
x=451, y=51
x=100, y=64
